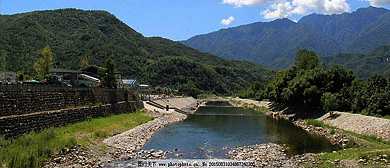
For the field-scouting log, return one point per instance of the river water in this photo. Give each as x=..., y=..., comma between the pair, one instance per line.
x=218, y=127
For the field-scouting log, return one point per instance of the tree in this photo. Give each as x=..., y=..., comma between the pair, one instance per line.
x=108, y=76
x=84, y=62
x=20, y=76
x=329, y=102
x=190, y=89
x=339, y=77
x=43, y=64
x=3, y=65
x=306, y=59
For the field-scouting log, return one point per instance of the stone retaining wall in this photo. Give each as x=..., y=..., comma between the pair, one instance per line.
x=17, y=103
x=14, y=126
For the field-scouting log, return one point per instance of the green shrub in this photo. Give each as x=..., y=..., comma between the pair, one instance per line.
x=351, y=143
x=315, y=123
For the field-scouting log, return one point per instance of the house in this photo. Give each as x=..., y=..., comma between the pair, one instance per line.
x=130, y=83
x=76, y=78
x=91, y=70
x=144, y=92
x=68, y=76
x=8, y=76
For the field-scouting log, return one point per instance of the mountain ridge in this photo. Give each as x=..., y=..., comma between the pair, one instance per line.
x=325, y=34
x=73, y=34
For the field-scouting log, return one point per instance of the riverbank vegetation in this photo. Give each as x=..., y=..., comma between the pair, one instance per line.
x=368, y=150
x=33, y=149
x=309, y=85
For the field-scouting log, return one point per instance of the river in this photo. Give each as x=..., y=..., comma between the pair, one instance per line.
x=218, y=127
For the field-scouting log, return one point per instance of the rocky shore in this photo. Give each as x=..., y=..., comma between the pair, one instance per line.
x=123, y=146
x=270, y=155
x=335, y=138
x=135, y=138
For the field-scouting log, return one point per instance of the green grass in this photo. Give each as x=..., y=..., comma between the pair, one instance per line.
x=370, y=147
x=206, y=96
x=235, y=102
x=260, y=108
x=315, y=123
x=33, y=149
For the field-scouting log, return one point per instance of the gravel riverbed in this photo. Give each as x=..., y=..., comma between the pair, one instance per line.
x=270, y=155
x=123, y=146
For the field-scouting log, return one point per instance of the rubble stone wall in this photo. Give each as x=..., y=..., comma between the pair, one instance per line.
x=18, y=103
x=16, y=125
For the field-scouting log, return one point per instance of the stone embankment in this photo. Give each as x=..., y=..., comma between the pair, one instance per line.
x=270, y=155
x=361, y=124
x=14, y=126
x=335, y=138
x=135, y=138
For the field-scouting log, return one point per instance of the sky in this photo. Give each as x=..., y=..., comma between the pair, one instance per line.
x=182, y=19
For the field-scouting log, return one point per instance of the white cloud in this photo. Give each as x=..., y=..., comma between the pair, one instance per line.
x=379, y=3
x=286, y=8
x=240, y=3
x=227, y=21
x=280, y=10
x=324, y=6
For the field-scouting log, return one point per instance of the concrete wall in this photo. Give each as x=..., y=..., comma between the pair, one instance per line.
x=17, y=103
x=14, y=126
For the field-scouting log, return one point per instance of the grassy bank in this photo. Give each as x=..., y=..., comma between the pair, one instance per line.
x=369, y=148
x=31, y=150
x=235, y=102
x=207, y=96
x=261, y=109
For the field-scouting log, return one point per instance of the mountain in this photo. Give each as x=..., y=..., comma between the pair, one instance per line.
x=275, y=43
x=75, y=34
x=363, y=65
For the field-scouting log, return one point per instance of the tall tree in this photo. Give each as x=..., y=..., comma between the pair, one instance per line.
x=43, y=64
x=84, y=62
x=306, y=59
x=3, y=65
x=109, y=80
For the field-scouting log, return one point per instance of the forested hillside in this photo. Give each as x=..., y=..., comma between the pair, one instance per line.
x=275, y=43
x=97, y=35
x=363, y=65
x=307, y=84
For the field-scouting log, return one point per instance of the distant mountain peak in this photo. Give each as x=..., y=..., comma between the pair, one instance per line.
x=371, y=9
x=275, y=43
x=283, y=20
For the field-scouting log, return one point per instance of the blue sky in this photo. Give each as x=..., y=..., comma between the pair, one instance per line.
x=182, y=19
